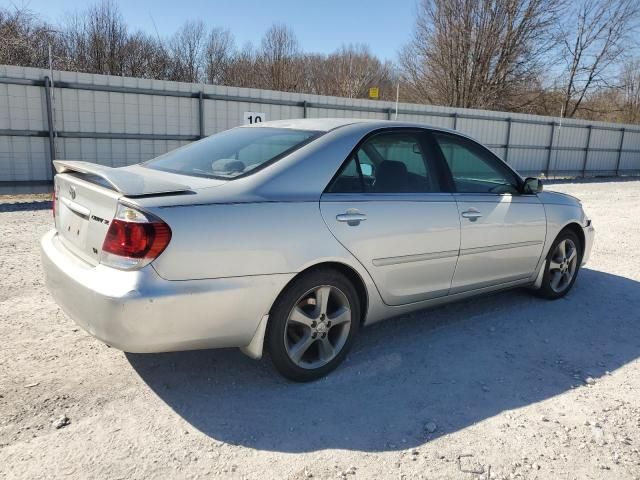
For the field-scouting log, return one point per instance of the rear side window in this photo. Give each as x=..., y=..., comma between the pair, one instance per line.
x=390, y=162
x=232, y=153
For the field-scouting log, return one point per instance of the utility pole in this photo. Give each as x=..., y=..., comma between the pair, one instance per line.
x=52, y=90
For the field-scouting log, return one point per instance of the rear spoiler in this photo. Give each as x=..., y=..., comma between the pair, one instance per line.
x=124, y=181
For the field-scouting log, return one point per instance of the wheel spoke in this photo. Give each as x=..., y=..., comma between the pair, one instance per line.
x=299, y=349
x=555, y=281
x=298, y=316
x=342, y=315
x=572, y=254
x=562, y=249
x=553, y=265
x=322, y=299
x=326, y=349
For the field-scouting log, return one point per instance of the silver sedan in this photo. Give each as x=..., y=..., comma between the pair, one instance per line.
x=289, y=236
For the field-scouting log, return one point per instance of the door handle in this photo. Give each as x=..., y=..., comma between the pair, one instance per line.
x=352, y=216
x=472, y=214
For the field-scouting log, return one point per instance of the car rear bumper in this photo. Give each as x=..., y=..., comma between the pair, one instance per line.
x=589, y=234
x=138, y=311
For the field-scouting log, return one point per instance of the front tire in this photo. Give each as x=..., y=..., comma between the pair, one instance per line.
x=313, y=324
x=561, y=266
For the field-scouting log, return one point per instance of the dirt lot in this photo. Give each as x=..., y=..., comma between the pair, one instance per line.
x=508, y=386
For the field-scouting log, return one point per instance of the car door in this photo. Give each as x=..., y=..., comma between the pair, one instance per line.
x=387, y=207
x=502, y=230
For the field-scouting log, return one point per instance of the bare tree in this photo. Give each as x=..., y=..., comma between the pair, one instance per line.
x=352, y=70
x=218, y=54
x=280, y=59
x=75, y=45
x=24, y=39
x=477, y=53
x=243, y=69
x=186, y=48
x=144, y=56
x=107, y=35
x=348, y=72
x=94, y=40
x=314, y=74
x=631, y=91
x=594, y=37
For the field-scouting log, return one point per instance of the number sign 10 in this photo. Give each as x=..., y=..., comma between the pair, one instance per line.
x=254, y=117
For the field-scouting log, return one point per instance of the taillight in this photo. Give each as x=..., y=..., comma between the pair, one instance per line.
x=134, y=239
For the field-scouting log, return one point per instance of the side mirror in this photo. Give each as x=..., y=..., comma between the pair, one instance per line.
x=366, y=169
x=532, y=185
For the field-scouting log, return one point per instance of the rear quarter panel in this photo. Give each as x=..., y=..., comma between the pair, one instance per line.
x=239, y=239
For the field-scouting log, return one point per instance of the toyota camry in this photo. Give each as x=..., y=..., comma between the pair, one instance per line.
x=289, y=236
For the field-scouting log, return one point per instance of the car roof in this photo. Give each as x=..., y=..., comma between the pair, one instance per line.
x=327, y=124
x=316, y=124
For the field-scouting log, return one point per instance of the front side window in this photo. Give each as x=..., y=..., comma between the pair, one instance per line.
x=391, y=162
x=473, y=169
x=232, y=153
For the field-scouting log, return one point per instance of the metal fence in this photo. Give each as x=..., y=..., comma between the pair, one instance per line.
x=119, y=121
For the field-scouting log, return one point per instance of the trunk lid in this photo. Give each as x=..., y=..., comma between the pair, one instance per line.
x=83, y=213
x=87, y=198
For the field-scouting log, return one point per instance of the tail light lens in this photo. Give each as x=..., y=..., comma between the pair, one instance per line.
x=134, y=239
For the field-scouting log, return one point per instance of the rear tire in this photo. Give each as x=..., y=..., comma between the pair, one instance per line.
x=561, y=266
x=313, y=324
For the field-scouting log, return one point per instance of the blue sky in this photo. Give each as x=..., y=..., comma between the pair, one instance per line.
x=321, y=25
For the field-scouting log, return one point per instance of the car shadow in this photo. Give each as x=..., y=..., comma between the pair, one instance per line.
x=25, y=206
x=414, y=378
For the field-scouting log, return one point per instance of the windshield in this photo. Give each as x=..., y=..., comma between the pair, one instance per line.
x=232, y=153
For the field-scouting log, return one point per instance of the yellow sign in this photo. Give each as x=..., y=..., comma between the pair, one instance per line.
x=373, y=92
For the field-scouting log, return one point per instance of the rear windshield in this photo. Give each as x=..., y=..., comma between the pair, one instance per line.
x=232, y=153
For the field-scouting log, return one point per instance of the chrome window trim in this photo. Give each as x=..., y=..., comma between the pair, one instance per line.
x=388, y=197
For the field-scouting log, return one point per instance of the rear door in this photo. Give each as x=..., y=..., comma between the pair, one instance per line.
x=502, y=230
x=387, y=206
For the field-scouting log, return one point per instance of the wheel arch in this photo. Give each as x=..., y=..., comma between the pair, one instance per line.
x=354, y=277
x=577, y=229
x=571, y=226
x=255, y=348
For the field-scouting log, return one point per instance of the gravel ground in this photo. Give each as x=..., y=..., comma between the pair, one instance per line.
x=505, y=386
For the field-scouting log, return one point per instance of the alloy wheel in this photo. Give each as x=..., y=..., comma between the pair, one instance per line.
x=317, y=327
x=563, y=265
